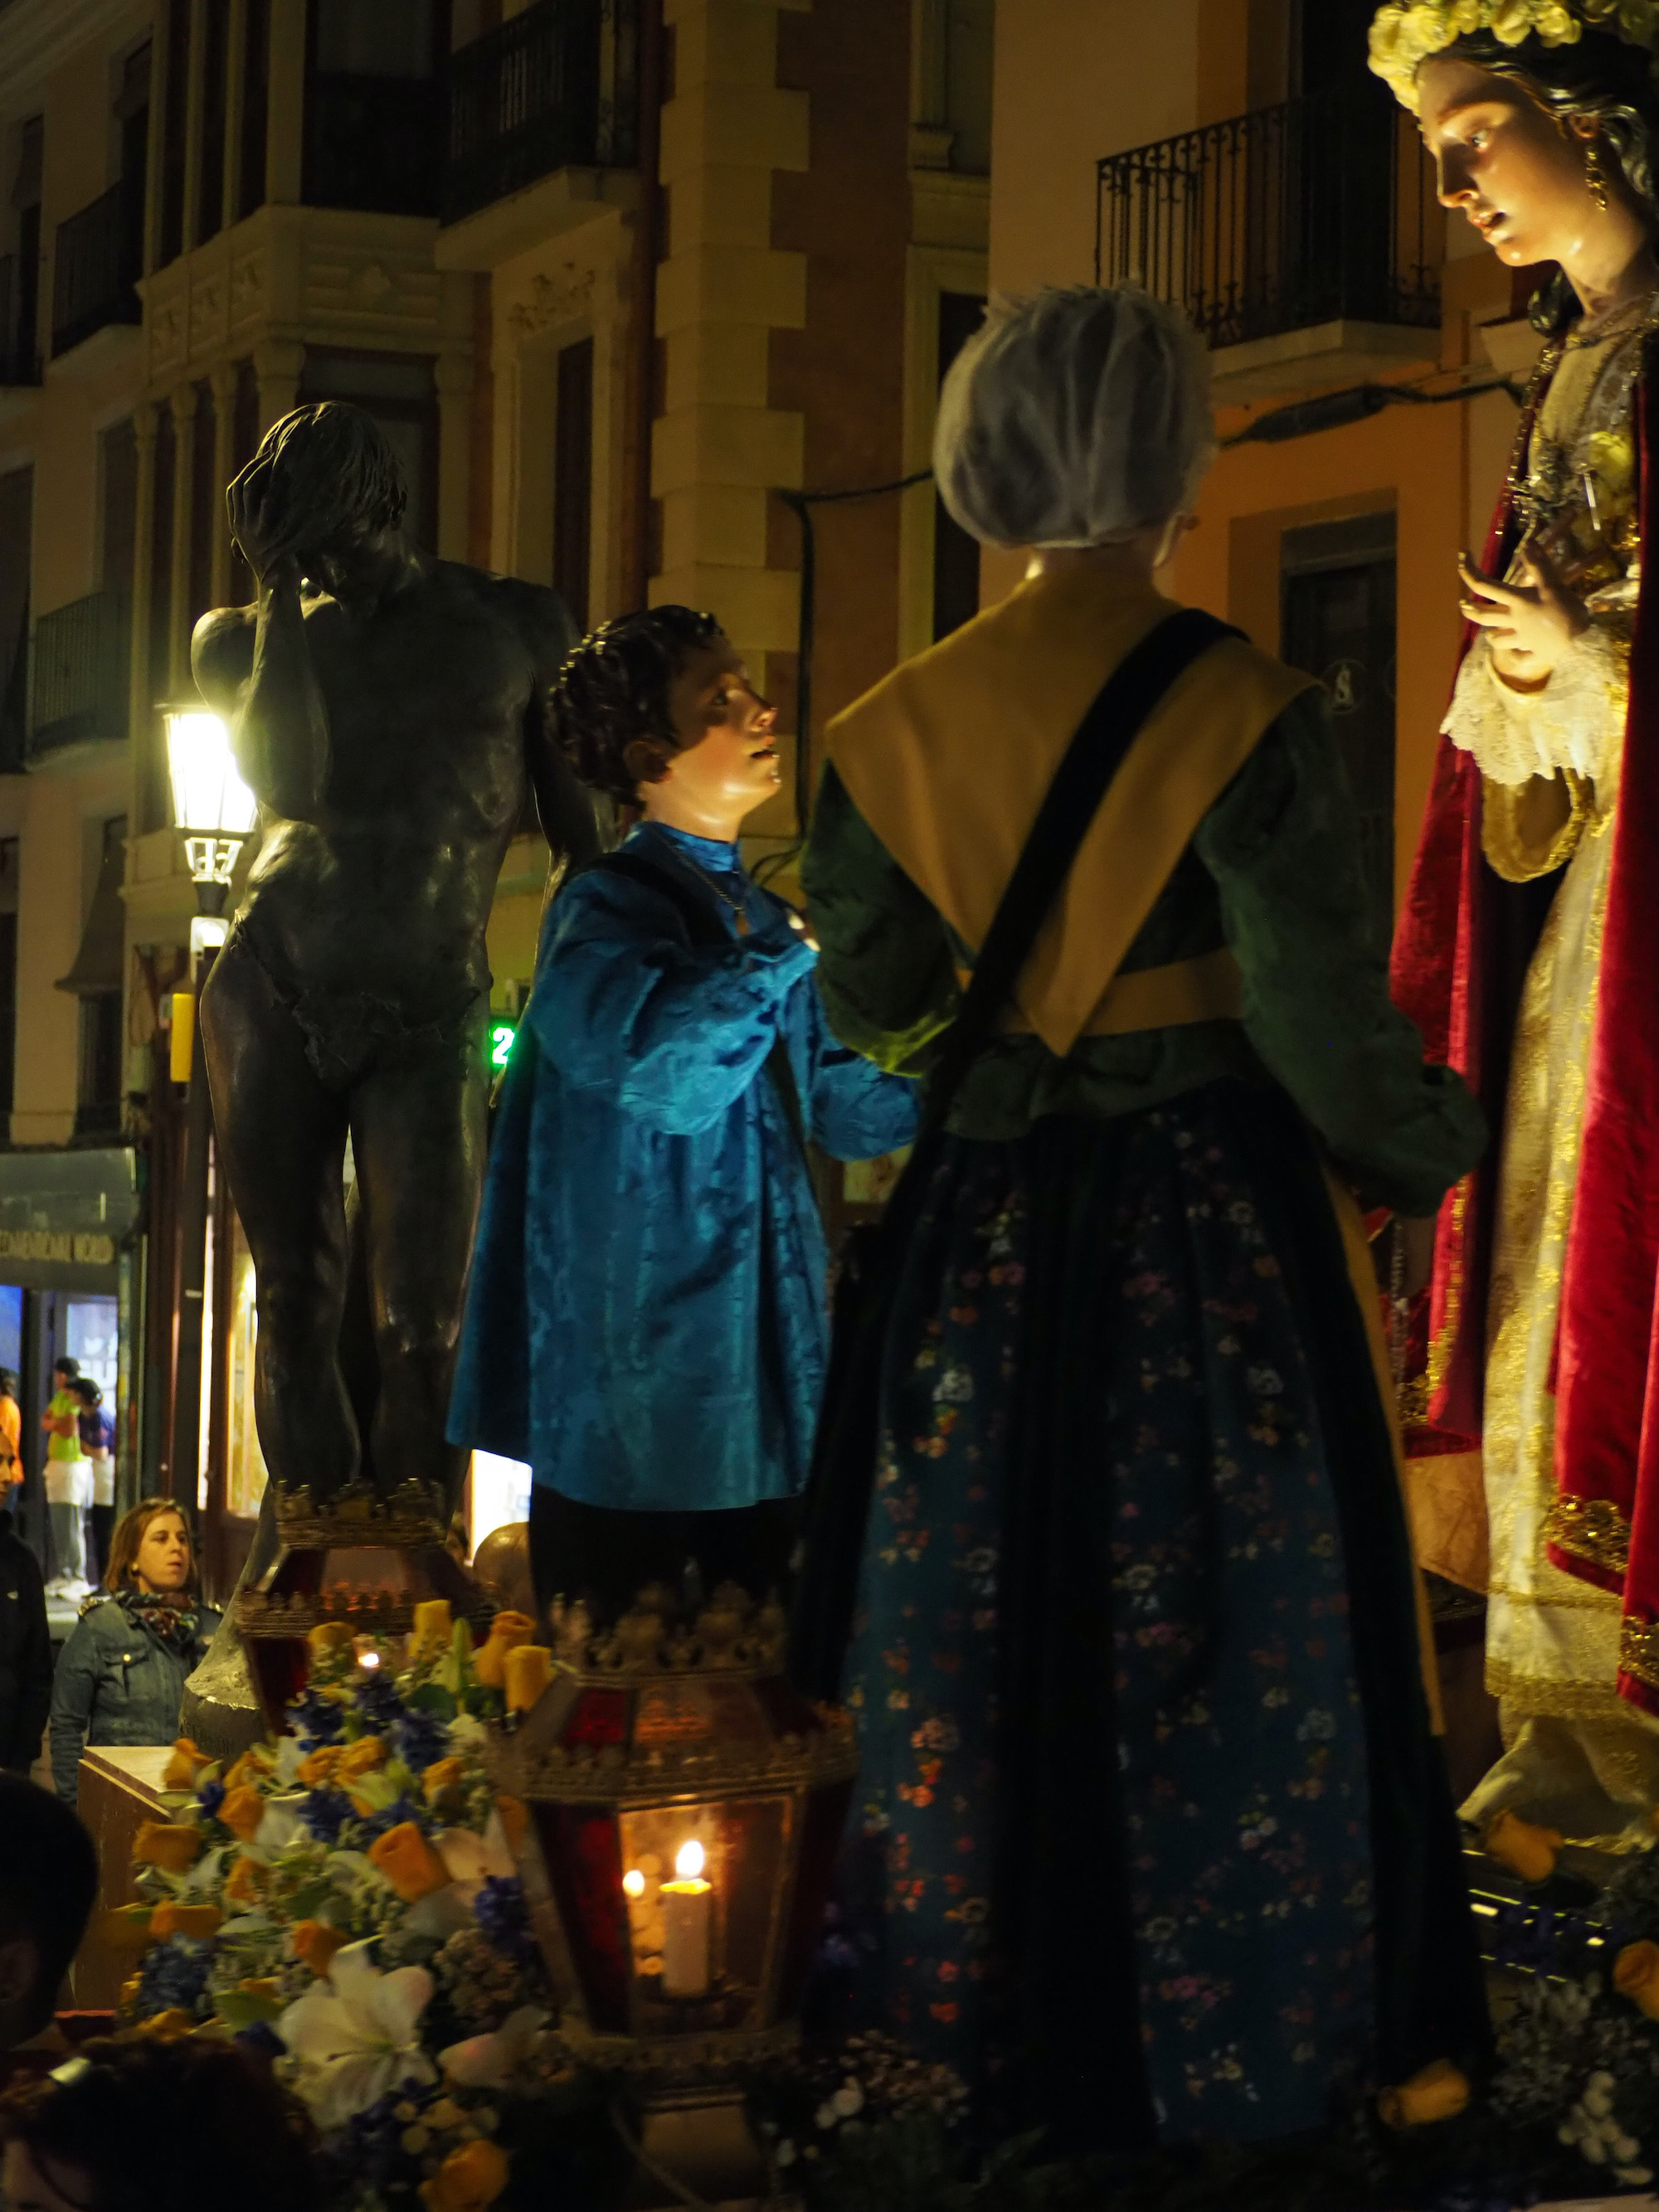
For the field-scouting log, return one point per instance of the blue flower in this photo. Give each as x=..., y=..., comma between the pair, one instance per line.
x=210, y=1796
x=324, y=1813
x=394, y=1815
x=503, y=1918
x=421, y=1739
x=261, y=2040
x=174, y=1976
x=377, y=1702
x=317, y=1719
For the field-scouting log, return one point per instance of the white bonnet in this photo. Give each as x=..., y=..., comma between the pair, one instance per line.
x=1074, y=418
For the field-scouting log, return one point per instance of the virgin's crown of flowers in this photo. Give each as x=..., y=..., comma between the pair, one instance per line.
x=1407, y=33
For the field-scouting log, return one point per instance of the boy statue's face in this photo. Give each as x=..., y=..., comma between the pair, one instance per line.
x=728, y=756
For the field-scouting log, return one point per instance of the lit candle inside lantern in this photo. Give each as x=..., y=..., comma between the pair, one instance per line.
x=688, y=1912
x=634, y=1882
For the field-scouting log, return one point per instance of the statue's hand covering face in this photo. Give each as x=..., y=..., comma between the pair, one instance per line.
x=324, y=482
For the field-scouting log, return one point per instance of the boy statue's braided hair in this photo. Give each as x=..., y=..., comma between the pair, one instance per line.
x=612, y=699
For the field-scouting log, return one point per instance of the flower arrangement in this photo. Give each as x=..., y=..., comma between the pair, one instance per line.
x=1407, y=33
x=346, y=1900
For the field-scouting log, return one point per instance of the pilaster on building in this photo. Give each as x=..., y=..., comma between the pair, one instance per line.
x=719, y=447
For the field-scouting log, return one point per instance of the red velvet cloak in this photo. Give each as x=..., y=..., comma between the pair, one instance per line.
x=1460, y=958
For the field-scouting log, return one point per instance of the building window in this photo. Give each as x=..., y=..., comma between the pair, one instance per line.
x=206, y=501
x=21, y=339
x=955, y=555
x=572, y=478
x=17, y=527
x=256, y=107
x=215, y=91
x=153, y=802
x=175, y=106
x=118, y=501
x=372, y=117
x=132, y=115
x=1338, y=622
x=244, y=444
x=8, y=859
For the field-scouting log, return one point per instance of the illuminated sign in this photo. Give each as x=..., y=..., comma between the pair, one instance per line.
x=502, y=1034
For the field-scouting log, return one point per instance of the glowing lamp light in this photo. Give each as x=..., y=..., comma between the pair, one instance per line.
x=690, y=1860
x=634, y=1882
x=211, y=805
x=369, y=1660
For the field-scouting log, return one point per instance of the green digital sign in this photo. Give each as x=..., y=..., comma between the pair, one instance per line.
x=502, y=1034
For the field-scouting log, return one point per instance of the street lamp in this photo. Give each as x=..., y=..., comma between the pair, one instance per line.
x=214, y=811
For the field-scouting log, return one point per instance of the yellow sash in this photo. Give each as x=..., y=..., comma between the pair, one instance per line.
x=948, y=757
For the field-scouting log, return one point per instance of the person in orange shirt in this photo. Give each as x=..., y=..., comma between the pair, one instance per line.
x=11, y=1437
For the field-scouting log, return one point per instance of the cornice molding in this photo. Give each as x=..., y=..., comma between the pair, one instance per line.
x=38, y=36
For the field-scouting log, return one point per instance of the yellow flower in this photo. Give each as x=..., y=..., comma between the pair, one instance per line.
x=199, y=1921
x=1513, y=22
x=317, y=1768
x=1636, y=1976
x=1525, y=1849
x=171, y=1845
x=315, y=1943
x=247, y=1878
x=127, y=1928
x=186, y=1764
x=255, y=1760
x=527, y=1670
x=1438, y=2093
x=443, y=1775
x=470, y=2179
x=242, y=1811
x=360, y=1757
x=327, y=1637
x=169, y=2027
x=432, y=1624
x=409, y=1862
x=507, y=1632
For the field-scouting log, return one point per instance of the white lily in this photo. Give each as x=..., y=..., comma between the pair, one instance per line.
x=280, y=1827
x=357, y=2035
x=289, y=1759
x=471, y=1859
x=489, y=2061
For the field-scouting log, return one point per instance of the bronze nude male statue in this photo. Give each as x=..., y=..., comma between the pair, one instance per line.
x=386, y=710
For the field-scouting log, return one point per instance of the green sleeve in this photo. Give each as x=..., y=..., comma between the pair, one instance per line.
x=888, y=973
x=1283, y=845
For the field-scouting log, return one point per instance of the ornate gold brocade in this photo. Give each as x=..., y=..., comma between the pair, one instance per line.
x=1638, y=1651
x=1531, y=829
x=1591, y=1529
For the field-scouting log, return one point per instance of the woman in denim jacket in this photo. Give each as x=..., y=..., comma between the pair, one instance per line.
x=122, y=1671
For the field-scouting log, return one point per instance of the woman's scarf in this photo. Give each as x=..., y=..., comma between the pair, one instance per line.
x=171, y=1616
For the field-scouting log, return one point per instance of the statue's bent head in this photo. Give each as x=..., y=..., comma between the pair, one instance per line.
x=329, y=485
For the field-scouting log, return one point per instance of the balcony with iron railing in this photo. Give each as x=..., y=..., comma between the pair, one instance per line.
x=78, y=680
x=1303, y=240
x=96, y=266
x=552, y=89
x=20, y=356
x=373, y=143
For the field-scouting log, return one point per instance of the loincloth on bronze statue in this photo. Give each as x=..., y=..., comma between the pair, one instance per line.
x=352, y=1034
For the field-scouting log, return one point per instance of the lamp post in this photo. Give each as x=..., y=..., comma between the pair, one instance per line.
x=214, y=811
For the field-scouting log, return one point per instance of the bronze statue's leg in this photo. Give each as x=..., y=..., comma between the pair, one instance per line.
x=282, y=1137
x=418, y=1136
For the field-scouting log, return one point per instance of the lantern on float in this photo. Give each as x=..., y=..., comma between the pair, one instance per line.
x=685, y=1807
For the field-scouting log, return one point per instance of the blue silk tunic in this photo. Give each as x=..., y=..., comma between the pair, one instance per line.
x=646, y=1323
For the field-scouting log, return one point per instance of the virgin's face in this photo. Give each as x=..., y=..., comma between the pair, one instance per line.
x=1506, y=165
x=163, y=1560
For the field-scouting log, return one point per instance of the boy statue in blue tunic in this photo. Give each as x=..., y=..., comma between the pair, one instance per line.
x=646, y=1322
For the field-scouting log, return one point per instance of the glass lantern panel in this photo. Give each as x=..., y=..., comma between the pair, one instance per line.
x=580, y=1852
x=745, y=1846
x=600, y=1717
x=821, y=1824
x=698, y=1708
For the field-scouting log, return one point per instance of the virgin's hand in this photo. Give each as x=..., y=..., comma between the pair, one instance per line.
x=1531, y=622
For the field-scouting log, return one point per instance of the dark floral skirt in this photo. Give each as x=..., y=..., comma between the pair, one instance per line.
x=1156, y=1842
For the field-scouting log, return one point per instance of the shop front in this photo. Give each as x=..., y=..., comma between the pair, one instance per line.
x=70, y=1273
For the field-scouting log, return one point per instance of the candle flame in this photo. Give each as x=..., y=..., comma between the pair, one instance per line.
x=369, y=1659
x=689, y=1862
x=634, y=1882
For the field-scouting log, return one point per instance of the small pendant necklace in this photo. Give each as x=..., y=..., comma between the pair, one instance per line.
x=737, y=905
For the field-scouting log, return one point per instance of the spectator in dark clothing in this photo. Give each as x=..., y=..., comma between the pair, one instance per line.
x=48, y=1880
x=97, y=1430
x=24, y=1652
